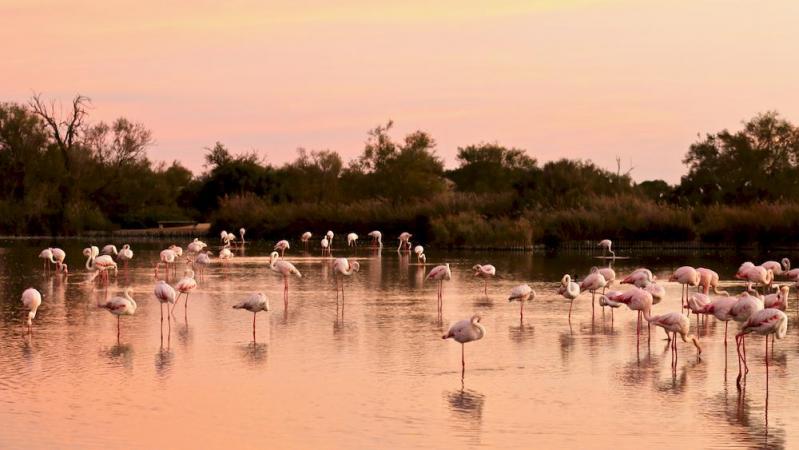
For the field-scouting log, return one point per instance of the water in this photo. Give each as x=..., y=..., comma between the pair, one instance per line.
x=380, y=376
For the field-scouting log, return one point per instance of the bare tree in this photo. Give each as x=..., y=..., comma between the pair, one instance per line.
x=64, y=127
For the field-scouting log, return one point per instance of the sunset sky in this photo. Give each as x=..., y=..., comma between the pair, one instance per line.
x=570, y=78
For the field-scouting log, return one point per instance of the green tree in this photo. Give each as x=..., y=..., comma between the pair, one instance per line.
x=491, y=168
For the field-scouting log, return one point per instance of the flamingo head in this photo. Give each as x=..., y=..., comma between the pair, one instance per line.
x=87, y=252
x=565, y=280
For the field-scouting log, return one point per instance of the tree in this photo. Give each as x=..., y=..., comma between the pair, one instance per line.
x=123, y=142
x=491, y=168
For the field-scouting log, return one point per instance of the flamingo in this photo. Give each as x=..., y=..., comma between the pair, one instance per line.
x=709, y=279
x=329, y=236
x=102, y=264
x=325, y=243
x=521, y=294
x=778, y=268
x=165, y=295
x=225, y=253
x=440, y=273
x=777, y=300
x=184, y=286
x=32, y=299
x=593, y=283
x=464, y=331
x=658, y=292
x=604, y=300
x=125, y=255
x=203, y=260
x=282, y=246
x=223, y=236
x=608, y=273
x=342, y=267
x=196, y=246
x=305, y=238
x=110, y=249
x=420, y=257
x=285, y=269
x=697, y=304
x=404, y=240
x=636, y=299
x=59, y=256
x=484, y=271
x=764, y=322
x=569, y=290
x=166, y=257
x=377, y=238
x=178, y=249
x=721, y=308
x=606, y=247
x=746, y=305
x=47, y=257
x=229, y=239
x=352, y=240
x=255, y=303
x=686, y=276
x=675, y=323
x=639, y=278
x=756, y=274
x=242, y=232
x=121, y=306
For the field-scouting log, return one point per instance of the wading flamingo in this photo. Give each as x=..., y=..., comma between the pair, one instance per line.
x=329, y=236
x=110, y=249
x=743, y=309
x=121, y=306
x=592, y=283
x=709, y=279
x=420, y=257
x=47, y=257
x=178, y=249
x=196, y=246
x=352, y=240
x=203, y=260
x=342, y=267
x=242, y=232
x=184, y=286
x=377, y=238
x=255, y=303
x=636, y=299
x=686, y=276
x=59, y=256
x=777, y=268
x=521, y=294
x=484, y=271
x=464, y=331
x=764, y=322
x=31, y=299
x=721, y=308
x=325, y=244
x=166, y=295
x=305, y=238
x=102, y=264
x=639, y=278
x=608, y=273
x=606, y=247
x=285, y=269
x=404, y=241
x=223, y=236
x=777, y=300
x=756, y=275
x=125, y=255
x=282, y=246
x=225, y=253
x=569, y=290
x=675, y=323
x=166, y=257
x=440, y=273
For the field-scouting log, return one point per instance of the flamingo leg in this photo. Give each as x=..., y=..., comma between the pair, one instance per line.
x=521, y=310
x=570, y=310
x=463, y=358
x=117, y=329
x=253, y=327
x=772, y=349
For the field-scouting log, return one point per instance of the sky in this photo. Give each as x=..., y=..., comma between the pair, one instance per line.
x=589, y=79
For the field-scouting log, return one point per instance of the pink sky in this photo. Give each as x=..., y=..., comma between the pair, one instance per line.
x=570, y=78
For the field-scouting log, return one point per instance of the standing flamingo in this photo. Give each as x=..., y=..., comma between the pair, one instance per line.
x=282, y=246
x=255, y=303
x=166, y=295
x=639, y=278
x=721, y=308
x=764, y=322
x=709, y=279
x=636, y=299
x=223, y=236
x=196, y=246
x=32, y=299
x=102, y=264
x=285, y=269
x=242, y=232
x=569, y=290
x=404, y=241
x=592, y=283
x=608, y=273
x=185, y=285
x=420, y=257
x=330, y=237
x=59, y=256
x=464, y=331
x=225, y=253
x=440, y=273
x=125, y=255
x=121, y=306
x=47, y=257
x=166, y=258
x=675, y=323
x=305, y=238
x=484, y=271
x=777, y=268
x=203, y=260
x=757, y=275
x=377, y=238
x=777, y=300
x=110, y=250
x=606, y=247
x=743, y=309
x=521, y=294
x=342, y=267
x=686, y=276
x=325, y=244
x=352, y=240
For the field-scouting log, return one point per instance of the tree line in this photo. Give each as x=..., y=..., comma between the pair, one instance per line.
x=64, y=174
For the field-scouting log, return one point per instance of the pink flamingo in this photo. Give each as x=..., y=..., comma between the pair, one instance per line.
x=721, y=309
x=255, y=303
x=777, y=268
x=764, y=322
x=185, y=285
x=166, y=258
x=709, y=279
x=756, y=275
x=47, y=257
x=569, y=290
x=606, y=247
x=59, y=256
x=675, y=323
x=282, y=246
x=686, y=276
x=484, y=271
x=102, y=264
x=305, y=239
x=639, y=278
x=420, y=257
x=125, y=255
x=521, y=294
x=121, y=306
x=166, y=296
x=636, y=299
x=440, y=273
x=31, y=299
x=404, y=241
x=777, y=300
x=285, y=269
x=325, y=243
x=608, y=273
x=464, y=331
x=743, y=309
x=342, y=267
x=377, y=238
x=593, y=283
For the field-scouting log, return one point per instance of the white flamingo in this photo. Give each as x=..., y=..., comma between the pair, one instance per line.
x=285, y=269
x=352, y=240
x=282, y=246
x=59, y=256
x=255, y=303
x=464, y=331
x=343, y=267
x=166, y=257
x=32, y=299
x=184, y=286
x=606, y=245
x=440, y=273
x=305, y=238
x=110, y=249
x=484, y=271
x=377, y=238
x=121, y=306
x=521, y=294
x=404, y=241
x=47, y=257
x=166, y=295
x=325, y=243
x=242, y=232
x=420, y=257
x=570, y=291
x=101, y=264
x=125, y=255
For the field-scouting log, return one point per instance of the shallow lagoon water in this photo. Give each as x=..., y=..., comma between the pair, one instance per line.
x=378, y=376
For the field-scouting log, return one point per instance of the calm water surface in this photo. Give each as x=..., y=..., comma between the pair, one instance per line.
x=378, y=376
